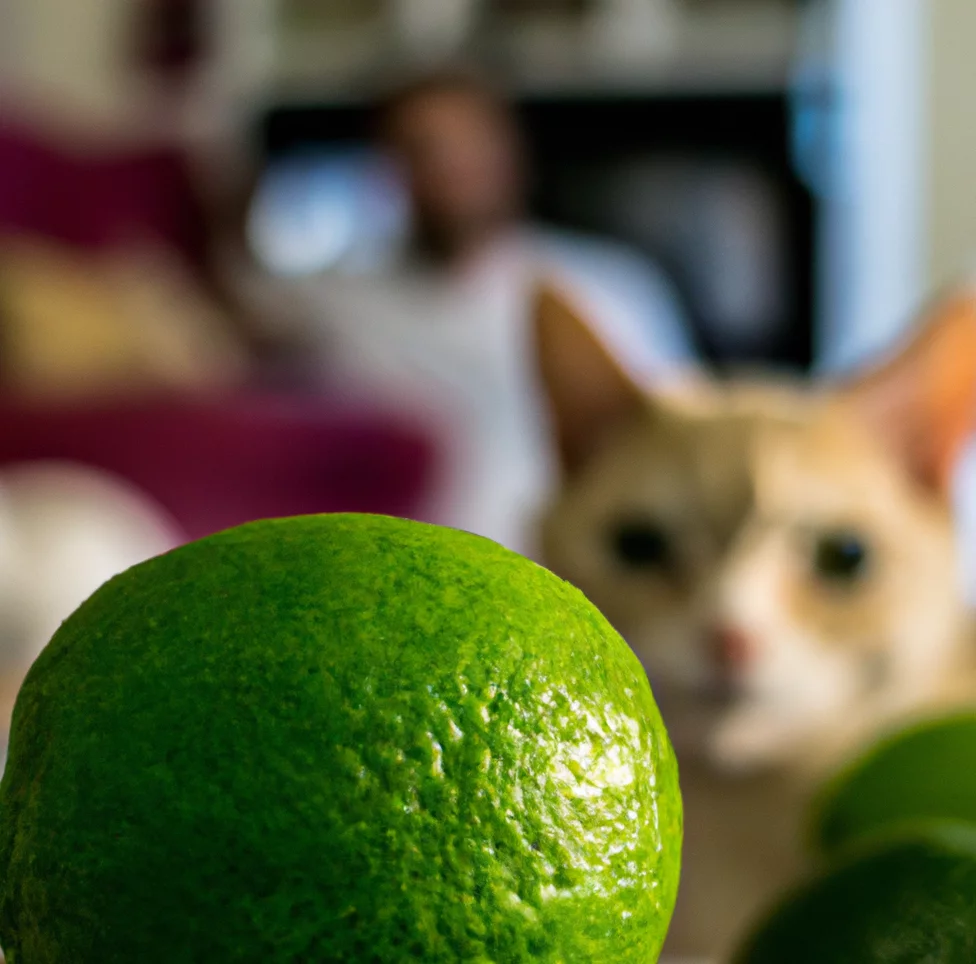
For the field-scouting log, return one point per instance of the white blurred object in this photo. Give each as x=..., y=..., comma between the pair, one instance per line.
x=64, y=531
x=627, y=34
x=431, y=29
x=871, y=243
x=322, y=211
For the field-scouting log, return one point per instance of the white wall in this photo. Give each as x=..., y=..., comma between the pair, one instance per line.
x=951, y=134
x=903, y=219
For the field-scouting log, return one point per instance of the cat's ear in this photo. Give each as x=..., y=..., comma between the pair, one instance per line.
x=588, y=392
x=922, y=400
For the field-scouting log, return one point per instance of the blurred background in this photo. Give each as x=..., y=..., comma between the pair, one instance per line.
x=260, y=257
x=269, y=257
x=784, y=161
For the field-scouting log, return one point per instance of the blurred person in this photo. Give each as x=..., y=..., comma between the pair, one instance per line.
x=442, y=326
x=458, y=146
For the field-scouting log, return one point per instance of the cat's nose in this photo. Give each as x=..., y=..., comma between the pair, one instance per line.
x=732, y=648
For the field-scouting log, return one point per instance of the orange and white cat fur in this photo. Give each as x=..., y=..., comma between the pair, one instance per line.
x=782, y=560
x=64, y=530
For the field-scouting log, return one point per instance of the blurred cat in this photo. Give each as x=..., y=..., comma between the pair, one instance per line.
x=782, y=560
x=64, y=530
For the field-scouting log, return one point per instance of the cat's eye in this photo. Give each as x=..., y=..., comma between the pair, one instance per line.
x=641, y=544
x=840, y=557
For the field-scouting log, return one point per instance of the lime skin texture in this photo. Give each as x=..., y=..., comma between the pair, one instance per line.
x=337, y=738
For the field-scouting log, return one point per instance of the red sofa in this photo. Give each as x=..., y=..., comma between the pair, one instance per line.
x=215, y=463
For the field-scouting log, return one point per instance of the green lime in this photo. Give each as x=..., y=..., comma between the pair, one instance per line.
x=337, y=738
x=911, y=900
x=925, y=772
